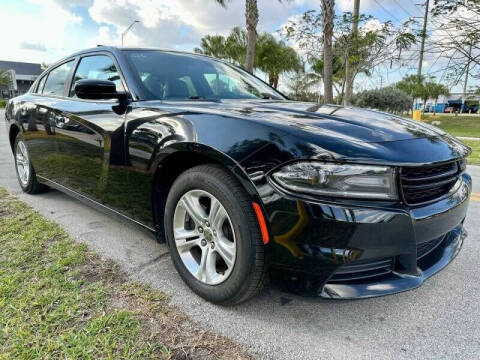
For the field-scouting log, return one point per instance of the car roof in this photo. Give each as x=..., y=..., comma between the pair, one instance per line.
x=115, y=49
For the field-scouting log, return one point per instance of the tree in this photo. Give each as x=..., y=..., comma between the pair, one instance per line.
x=389, y=98
x=251, y=20
x=251, y=16
x=231, y=48
x=457, y=38
x=4, y=77
x=272, y=57
x=373, y=45
x=275, y=58
x=434, y=90
x=212, y=45
x=348, y=73
x=300, y=89
x=315, y=76
x=328, y=14
x=418, y=87
x=412, y=85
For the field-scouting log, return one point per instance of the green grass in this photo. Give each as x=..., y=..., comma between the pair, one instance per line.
x=60, y=301
x=3, y=103
x=456, y=125
x=468, y=126
x=474, y=159
x=461, y=126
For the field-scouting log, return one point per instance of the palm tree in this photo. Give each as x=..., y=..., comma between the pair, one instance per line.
x=328, y=13
x=434, y=90
x=338, y=74
x=231, y=48
x=212, y=45
x=275, y=58
x=251, y=19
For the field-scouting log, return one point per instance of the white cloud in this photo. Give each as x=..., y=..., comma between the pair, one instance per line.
x=67, y=4
x=181, y=23
x=33, y=46
x=367, y=5
x=41, y=31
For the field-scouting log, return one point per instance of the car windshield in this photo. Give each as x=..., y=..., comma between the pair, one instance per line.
x=175, y=76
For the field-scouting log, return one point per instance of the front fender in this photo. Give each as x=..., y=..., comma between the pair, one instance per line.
x=208, y=153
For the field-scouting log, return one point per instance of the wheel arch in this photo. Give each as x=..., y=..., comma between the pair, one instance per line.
x=172, y=161
x=12, y=134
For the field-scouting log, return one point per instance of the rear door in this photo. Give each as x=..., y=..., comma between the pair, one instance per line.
x=39, y=119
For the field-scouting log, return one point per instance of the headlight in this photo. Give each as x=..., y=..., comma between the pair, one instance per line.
x=338, y=180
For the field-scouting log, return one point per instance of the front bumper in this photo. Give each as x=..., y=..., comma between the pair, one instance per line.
x=359, y=250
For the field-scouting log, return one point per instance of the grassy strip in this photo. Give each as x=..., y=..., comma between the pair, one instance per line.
x=475, y=157
x=460, y=126
x=456, y=125
x=58, y=300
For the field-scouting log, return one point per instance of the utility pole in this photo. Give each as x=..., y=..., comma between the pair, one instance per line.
x=467, y=71
x=424, y=36
x=348, y=70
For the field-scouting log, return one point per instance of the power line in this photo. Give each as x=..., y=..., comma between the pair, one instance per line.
x=404, y=10
x=388, y=12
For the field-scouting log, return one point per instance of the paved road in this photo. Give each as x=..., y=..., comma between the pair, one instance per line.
x=440, y=320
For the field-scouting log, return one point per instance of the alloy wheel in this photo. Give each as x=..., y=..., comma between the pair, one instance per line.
x=23, y=163
x=204, y=237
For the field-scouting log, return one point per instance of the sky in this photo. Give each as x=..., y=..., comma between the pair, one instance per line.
x=47, y=30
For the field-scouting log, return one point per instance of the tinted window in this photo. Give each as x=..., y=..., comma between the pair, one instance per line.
x=56, y=79
x=174, y=76
x=41, y=83
x=99, y=67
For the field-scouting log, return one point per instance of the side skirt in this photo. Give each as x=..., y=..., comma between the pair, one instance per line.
x=100, y=207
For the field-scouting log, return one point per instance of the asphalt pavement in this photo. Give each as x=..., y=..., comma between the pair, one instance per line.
x=439, y=320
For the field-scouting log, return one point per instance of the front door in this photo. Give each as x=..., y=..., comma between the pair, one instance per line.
x=90, y=138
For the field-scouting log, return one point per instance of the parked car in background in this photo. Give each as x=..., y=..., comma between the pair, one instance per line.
x=331, y=201
x=449, y=110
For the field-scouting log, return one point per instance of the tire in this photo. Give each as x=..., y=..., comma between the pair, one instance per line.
x=27, y=179
x=237, y=271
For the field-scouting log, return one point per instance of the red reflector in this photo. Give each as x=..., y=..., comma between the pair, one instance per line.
x=261, y=222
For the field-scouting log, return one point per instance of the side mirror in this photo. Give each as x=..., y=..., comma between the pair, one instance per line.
x=98, y=90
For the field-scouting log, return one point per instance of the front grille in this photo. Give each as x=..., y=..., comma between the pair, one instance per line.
x=427, y=183
x=426, y=248
x=360, y=270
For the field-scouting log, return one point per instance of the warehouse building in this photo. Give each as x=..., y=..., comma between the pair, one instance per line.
x=22, y=75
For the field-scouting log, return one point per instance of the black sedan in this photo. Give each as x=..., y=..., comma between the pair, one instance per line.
x=242, y=183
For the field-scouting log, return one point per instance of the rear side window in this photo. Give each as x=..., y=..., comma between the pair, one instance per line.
x=98, y=67
x=56, y=80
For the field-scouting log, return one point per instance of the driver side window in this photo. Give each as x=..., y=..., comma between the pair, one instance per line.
x=96, y=67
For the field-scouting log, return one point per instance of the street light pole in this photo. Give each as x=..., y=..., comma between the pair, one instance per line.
x=128, y=29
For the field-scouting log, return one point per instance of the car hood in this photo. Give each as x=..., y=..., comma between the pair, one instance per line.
x=348, y=123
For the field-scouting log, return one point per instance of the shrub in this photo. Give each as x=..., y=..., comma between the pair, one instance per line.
x=386, y=99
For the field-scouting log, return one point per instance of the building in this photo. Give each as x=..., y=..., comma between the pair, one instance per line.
x=22, y=76
x=455, y=102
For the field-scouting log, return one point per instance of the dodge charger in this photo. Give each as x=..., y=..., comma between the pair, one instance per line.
x=243, y=184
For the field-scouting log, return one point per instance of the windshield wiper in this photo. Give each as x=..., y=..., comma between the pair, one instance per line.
x=266, y=96
x=201, y=97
